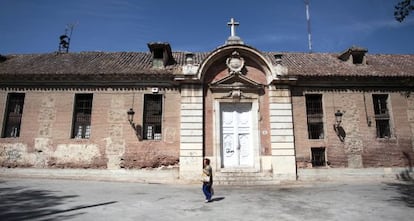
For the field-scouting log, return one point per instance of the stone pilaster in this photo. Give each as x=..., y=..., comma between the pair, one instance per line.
x=191, y=134
x=281, y=131
x=43, y=141
x=351, y=122
x=115, y=144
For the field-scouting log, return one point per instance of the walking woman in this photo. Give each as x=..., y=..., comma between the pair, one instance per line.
x=207, y=180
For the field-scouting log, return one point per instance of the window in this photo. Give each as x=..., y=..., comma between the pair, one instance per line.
x=358, y=58
x=382, y=117
x=13, y=115
x=152, y=116
x=318, y=156
x=314, y=113
x=82, y=116
x=158, y=53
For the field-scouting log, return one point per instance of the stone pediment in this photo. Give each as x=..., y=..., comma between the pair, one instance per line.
x=236, y=81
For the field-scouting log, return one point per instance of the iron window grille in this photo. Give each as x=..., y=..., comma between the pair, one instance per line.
x=152, y=117
x=82, y=116
x=13, y=115
x=314, y=113
x=382, y=116
x=318, y=156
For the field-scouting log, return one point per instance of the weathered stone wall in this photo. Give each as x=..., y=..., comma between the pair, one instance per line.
x=352, y=122
x=361, y=147
x=153, y=153
x=45, y=139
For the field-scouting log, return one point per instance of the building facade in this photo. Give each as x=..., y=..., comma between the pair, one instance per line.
x=259, y=116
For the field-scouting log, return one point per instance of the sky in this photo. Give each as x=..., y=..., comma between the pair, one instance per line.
x=34, y=26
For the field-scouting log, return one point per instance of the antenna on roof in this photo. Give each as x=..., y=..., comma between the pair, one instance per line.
x=64, y=40
x=309, y=26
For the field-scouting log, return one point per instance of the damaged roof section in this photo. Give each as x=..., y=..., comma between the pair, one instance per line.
x=354, y=55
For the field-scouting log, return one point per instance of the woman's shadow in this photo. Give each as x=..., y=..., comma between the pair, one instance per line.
x=220, y=198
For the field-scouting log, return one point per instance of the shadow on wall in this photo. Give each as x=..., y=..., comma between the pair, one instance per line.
x=21, y=203
x=340, y=132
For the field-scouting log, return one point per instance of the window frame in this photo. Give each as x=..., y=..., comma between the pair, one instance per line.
x=314, y=117
x=156, y=122
x=381, y=106
x=321, y=154
x=85, y=121
x=9, y=110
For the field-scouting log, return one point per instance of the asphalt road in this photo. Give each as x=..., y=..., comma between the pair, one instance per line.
x=54, y=199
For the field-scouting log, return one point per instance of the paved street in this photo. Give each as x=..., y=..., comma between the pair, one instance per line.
x=57, y=199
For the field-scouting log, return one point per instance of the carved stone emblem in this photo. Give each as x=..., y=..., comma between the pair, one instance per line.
x=235, y=63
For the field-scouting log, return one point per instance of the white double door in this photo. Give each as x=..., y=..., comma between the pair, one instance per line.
x=236, y=131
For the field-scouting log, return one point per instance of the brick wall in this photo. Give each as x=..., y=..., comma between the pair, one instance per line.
x=361, y=147
x=45, y=138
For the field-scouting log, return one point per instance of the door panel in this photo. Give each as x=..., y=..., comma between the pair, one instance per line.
x=237, y=150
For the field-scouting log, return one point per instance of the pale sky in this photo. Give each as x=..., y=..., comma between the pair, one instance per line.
x=34, y=26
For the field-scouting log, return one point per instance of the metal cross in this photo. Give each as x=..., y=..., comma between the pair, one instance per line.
x=233, y=25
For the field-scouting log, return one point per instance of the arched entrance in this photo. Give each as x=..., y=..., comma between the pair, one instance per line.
x=233, y=97
x=233, y=112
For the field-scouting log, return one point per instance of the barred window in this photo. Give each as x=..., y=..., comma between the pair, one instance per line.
x=314, y=113
x=13, y=115
x=82, y=116
x=382, y=116
x=152, y=116
x=318, y=156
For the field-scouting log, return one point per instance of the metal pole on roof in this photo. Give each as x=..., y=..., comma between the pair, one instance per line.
x=70, y=26
x=65, y=39
x=309, y=26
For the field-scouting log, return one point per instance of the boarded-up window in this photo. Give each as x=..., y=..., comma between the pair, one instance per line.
x=314, y=113
x=382, y=116
x=82, y=116
x=152, y=116
x=13, y=115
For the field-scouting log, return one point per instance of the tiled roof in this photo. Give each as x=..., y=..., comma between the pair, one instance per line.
x=299, y=64
x=328, y=64
x=77, y=63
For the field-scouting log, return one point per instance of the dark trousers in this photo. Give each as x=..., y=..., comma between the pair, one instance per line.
x=207, y=190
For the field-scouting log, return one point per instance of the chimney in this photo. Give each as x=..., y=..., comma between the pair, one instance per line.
x=354, y=55
x=161, y=54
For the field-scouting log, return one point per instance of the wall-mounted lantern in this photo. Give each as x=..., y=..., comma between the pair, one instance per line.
x=131, y=113
x=338, y=118
x=136, y=127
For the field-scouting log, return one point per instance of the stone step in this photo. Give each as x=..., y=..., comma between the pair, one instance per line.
x=244, y=178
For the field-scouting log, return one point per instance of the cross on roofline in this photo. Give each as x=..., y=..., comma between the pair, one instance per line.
x=233, y=39
x=233, y=25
